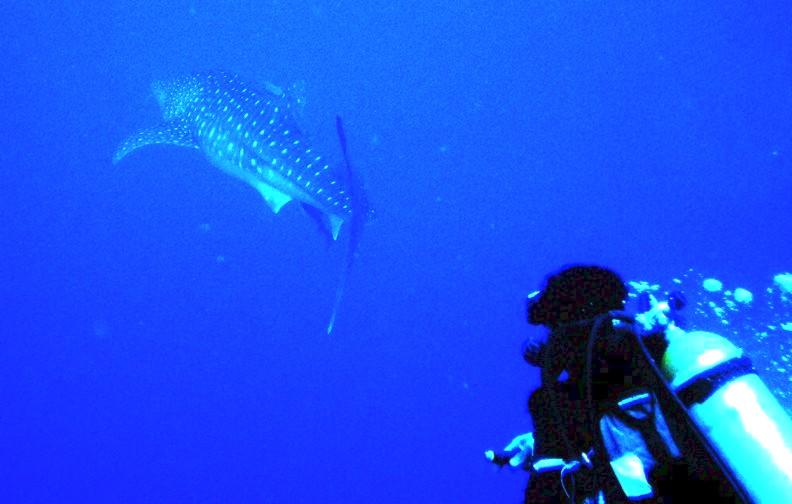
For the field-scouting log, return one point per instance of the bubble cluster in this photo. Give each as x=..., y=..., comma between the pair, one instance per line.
x=758, y=320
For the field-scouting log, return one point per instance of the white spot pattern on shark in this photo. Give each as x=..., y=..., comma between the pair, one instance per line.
x=214, y=112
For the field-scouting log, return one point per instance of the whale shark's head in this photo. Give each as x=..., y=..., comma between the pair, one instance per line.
x=175, y=96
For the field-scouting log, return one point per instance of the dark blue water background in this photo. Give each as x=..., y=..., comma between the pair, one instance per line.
x=162, y=332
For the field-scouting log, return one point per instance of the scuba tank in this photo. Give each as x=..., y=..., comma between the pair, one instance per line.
x=743, y=423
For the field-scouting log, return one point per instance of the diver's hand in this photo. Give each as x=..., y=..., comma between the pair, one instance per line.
x=518, y=453
x=521, y=450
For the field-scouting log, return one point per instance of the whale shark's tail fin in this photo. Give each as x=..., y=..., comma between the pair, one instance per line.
x=360, y=212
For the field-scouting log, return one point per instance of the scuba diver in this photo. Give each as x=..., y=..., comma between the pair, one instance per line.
x=636, y=409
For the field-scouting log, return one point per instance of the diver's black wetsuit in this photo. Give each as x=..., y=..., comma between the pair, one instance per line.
x=561, y=418
x=614, y=401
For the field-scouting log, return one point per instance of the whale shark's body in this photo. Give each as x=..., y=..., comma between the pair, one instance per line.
x=252, y=134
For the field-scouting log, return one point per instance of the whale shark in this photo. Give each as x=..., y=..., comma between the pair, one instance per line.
x=251, y=133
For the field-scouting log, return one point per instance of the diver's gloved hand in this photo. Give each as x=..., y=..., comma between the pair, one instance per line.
x=518, y=453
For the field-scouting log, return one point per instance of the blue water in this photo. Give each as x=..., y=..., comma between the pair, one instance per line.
x=162, y=332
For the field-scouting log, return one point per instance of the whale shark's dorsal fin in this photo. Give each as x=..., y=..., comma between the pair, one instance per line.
x=329, y=225
x=169, y=133
x=294, y=96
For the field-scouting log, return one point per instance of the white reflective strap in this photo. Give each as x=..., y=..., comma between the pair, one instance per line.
x=548, y=464
x=633, y=400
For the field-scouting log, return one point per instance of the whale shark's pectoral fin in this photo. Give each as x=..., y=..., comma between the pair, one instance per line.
x=169, y=133
x=274, y=198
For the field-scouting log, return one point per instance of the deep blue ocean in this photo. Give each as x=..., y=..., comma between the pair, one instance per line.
x=162, y=332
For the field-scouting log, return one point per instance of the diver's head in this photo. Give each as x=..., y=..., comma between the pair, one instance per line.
x=568, y=304
x=576, y=294
x=175, y=95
